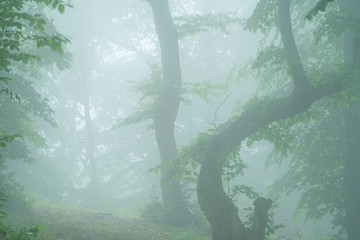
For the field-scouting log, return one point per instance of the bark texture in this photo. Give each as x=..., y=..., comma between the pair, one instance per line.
x=351, y=173
x=262, y=206
x=352, y=126
x=218, y=208
x=166, y=111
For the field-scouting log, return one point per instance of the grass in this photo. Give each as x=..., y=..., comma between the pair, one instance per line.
x=73, y=224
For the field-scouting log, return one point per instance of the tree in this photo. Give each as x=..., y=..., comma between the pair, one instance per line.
x=28, y=42
x=165, y=112
x=93, y=93
x=216, y=205
x=165, y=96
x=321, y=146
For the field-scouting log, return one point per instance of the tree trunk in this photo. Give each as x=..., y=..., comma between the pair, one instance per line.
x=165, y=113
x=352, y=172
x=91, y=164
x=352, y=126
x=218, y=208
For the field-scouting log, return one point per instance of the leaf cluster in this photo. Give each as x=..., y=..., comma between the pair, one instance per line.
x=316, y=167
x=205, y=90
x=4, y=138
x=151, y=90
x=3, y=214
x=23, y=24
x=334, y=23
x=314, y=140
x=234, y=165
x=244, y=190
x=190, y=26
x=185, y=165
x=263, y=18
x=24, y=30
x=26, y=232
x=280, y=133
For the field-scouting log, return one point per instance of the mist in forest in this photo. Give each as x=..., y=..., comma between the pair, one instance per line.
x=168, y=119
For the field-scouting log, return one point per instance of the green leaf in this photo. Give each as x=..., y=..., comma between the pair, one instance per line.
x=61, y=8
x=4, y=80
x=55, y=3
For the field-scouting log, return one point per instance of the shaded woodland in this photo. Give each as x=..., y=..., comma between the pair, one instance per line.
x=159, y=119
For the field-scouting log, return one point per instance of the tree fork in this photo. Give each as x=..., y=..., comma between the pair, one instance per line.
x=217, y=207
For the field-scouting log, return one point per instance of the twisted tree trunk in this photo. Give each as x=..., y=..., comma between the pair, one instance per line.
x=218, y=208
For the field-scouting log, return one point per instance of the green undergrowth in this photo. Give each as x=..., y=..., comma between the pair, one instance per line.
x=74, y=224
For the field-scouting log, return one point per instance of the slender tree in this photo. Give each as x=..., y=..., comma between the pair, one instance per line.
x=165, y=112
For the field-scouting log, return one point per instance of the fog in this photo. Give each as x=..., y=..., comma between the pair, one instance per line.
x=174, y=119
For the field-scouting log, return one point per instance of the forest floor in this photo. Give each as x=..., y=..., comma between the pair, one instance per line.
x=70, y=224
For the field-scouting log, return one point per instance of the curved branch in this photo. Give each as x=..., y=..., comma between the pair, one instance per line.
x=216, y=205
x=218, y=208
